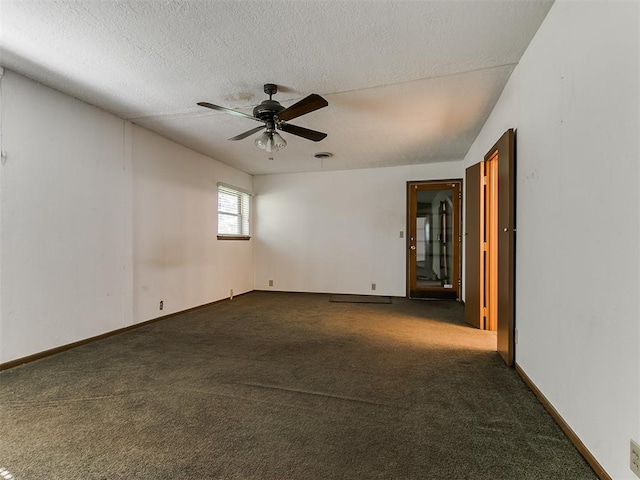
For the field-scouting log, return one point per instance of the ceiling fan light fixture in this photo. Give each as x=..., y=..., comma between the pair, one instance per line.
x=277, y=142
x=262, y=140
x=270, y=141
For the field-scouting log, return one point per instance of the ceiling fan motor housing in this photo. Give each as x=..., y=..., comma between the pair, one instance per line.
x=267, y=109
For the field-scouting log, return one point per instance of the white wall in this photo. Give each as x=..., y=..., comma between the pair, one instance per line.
x=177, y=257
x=99, y=221
x=65, y=250
x=574, y=101
x=337, y=232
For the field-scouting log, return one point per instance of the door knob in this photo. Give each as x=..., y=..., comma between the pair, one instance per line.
x=412, y=247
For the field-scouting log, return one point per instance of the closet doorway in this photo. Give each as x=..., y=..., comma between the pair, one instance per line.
x=490, y=244
x=434, y=239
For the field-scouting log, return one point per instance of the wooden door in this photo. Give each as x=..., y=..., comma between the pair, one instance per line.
x=505, y=148
x=490, y=244
x=489, y=239
x=433, y=243
x=472, y=305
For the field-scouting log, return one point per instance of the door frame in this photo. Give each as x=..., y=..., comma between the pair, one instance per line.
x=489, y=234
x=435, y=292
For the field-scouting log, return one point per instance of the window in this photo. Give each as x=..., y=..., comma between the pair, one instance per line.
x=233, y=213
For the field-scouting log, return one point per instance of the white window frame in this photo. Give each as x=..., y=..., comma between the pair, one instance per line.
x=243, y=214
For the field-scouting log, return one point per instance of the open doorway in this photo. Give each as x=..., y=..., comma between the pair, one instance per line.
x=490, y=244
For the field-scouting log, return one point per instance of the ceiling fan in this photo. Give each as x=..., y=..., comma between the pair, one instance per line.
x=274, y=116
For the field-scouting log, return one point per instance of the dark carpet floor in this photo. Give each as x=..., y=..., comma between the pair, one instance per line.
x=283, y=386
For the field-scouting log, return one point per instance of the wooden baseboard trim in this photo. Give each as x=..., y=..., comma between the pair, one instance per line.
x=69, y=346
x=568, y=431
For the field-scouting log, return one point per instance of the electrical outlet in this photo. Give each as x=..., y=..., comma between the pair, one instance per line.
x=271, y=283
x=231, y=294
x=373, y=286
x=161, y=304
x=401, y=234
x=635, y=458
x=6, y=475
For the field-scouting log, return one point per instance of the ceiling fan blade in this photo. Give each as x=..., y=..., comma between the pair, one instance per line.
x=306, y=105
x=227, y=110
x=302, y=132
x=248, y=133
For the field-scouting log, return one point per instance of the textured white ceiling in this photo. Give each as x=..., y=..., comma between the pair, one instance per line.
x=407, y=81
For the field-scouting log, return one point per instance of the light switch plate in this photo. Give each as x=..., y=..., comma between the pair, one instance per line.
x=635, y=458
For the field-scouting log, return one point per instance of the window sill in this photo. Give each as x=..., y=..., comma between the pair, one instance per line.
x=234, y=237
